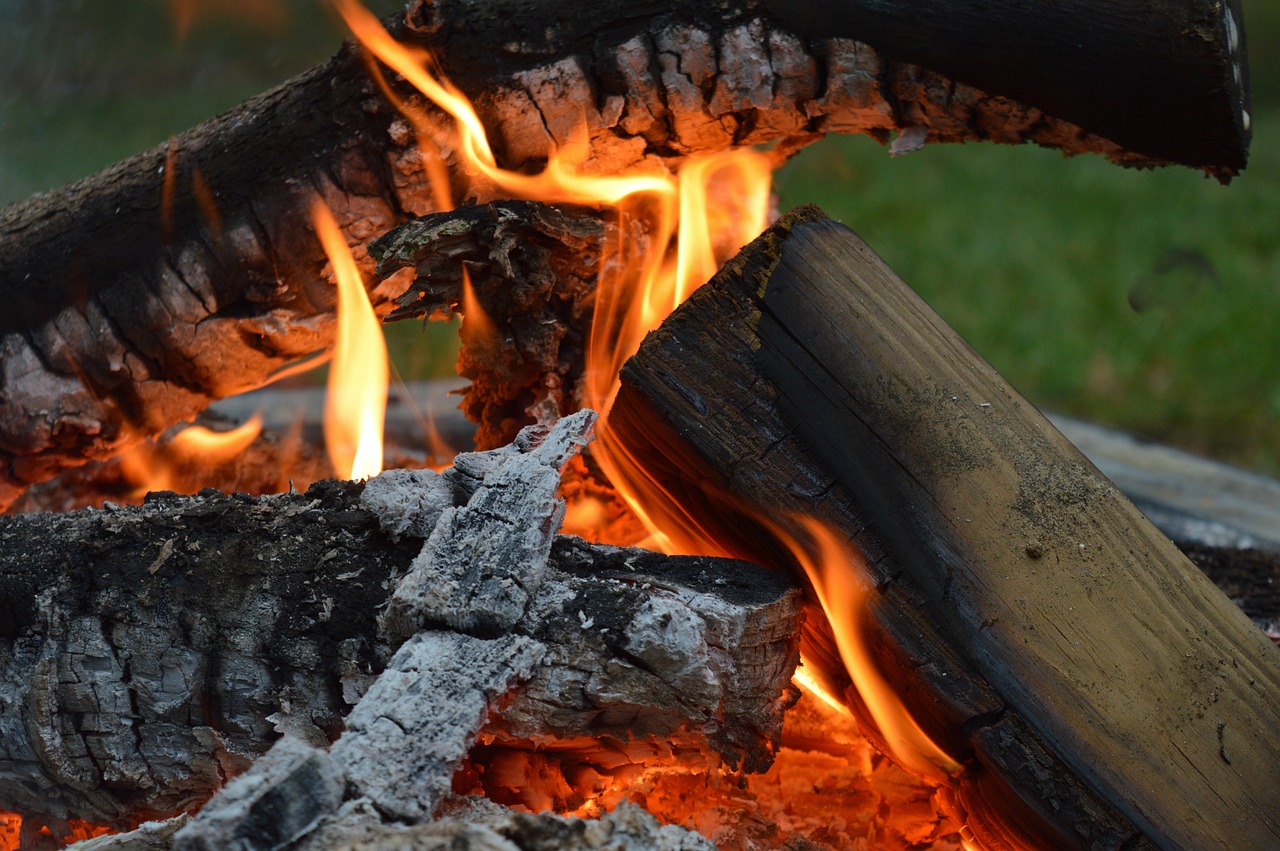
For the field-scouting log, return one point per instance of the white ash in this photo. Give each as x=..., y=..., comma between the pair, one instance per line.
x=484, y=561
x=407, y=502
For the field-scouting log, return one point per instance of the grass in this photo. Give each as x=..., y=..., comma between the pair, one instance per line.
x=1149, y=300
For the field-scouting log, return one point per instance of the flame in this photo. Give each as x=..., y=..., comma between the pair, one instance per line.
x=155, y=466
x=638, y=291
x=355, y=407
x=217, y=446
x=693, y=221
x=839, y=577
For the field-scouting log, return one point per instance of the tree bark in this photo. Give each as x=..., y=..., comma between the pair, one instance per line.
x=147, y=654
x=1039, y=627
x=190, y=272
x=1165, y=81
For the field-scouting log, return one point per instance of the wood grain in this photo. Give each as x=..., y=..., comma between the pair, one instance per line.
x=807, y=377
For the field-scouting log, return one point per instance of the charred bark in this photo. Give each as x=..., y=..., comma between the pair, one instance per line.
x=1035, y=622
x=190, y=271
x=147, y=654
x=1165, y=81
x=528, y=271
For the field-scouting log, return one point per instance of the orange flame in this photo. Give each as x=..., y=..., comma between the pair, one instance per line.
x=637, y=292
x=839, y=577
x=356, y=404
x=151, y=467
x=217, y=445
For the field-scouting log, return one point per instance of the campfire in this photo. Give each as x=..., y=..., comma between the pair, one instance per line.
x=749, y=549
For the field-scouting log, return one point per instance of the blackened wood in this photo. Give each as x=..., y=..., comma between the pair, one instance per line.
x=1043, y=619
x=531, y=270
x=148, y=653
x=190, y=271
x=1166, y=80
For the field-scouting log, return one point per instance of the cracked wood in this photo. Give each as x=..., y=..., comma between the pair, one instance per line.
x=1035, y=622
x=190, y=272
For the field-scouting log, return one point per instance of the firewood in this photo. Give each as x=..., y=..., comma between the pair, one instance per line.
x=532, y=272
x=1041, y=630
x=148, y=653
x=189, y=272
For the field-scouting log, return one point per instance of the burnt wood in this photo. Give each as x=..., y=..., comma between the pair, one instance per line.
x=190, y=271
x=1167, y=80
x=1039, y=627
x=149, y=653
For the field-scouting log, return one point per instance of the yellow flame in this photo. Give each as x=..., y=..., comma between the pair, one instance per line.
x=810, y=684
x=636, y=292
x=151, y=467
x=839, y=577
x=356, y=404
x=217, y=446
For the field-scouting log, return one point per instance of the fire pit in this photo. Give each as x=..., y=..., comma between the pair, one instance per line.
x=998, y=649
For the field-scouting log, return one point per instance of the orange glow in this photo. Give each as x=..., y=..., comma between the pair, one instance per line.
x=207, y=202
x=839, y=576
x=158, y=467
x=217, y=446
x=688, y=236
x=10, y=825
x=265, y=15
x=356, y=404
x=584, y=517
x=477, y=327
x=810, y=684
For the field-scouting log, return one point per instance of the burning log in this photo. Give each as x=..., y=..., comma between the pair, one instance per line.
x=525, y=274
x=150, y=653
x=189, y=272
x=1096, y=687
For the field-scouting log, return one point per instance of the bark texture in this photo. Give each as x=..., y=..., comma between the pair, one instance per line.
x=190, y=272
x=526, y=275
x=148, y=654
x=1034, y=621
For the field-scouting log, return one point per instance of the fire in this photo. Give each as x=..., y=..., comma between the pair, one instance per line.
x=695, y=219
x=76, y=830
x=157, y=467
x=714, y=206
x=356, y=405
x=839, y=577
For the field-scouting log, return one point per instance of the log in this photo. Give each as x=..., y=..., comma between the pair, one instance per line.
x=149, y=653
x=1097, y=687
x=528, y=271
x=190, y=272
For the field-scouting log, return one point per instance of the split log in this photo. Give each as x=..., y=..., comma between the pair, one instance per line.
x=1099, y=689
x=190, y=271
x=149, y=653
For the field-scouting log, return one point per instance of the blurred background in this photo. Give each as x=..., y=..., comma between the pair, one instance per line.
x=1145, y=300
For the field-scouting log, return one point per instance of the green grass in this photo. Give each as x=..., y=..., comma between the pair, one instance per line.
x=1035, y=259
x=1146, y=299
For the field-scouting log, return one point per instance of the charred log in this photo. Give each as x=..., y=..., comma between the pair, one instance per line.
x=532, y=270
x=189, y=272
x=150, y=653
x=1039, y=627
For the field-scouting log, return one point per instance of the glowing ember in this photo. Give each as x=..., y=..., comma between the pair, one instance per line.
x=356, y=405
x=697, y=219
x=76, y=830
